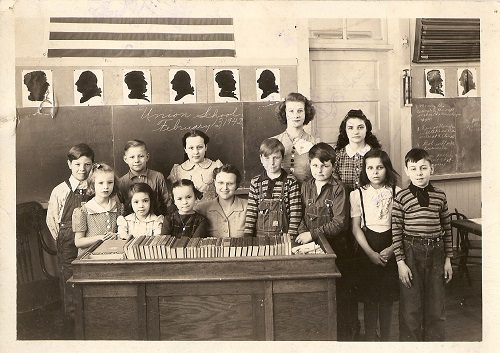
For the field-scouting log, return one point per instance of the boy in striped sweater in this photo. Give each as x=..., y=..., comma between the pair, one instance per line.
x=274, y=201
x=421, y=234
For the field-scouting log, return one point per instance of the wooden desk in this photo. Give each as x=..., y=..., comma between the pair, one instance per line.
x=467, y=225
x=242, y=298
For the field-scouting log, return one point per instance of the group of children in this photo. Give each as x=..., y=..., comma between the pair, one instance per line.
x=391, y=244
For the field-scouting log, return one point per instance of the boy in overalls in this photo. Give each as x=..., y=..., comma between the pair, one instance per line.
x=274, y=203
x=326, y=212
x=65, y=197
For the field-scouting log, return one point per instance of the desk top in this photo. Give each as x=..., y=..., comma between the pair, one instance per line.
x=467, y=225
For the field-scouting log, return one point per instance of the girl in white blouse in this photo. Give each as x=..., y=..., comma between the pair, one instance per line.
x=143, y=220
x=376, y=269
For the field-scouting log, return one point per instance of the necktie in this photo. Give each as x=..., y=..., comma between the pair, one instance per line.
x=422, y=194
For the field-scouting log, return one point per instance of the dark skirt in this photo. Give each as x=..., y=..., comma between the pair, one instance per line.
x=375, y=283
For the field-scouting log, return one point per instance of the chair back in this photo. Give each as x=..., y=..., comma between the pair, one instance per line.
x=459, y=237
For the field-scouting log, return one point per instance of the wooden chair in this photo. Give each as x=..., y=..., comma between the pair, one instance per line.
x=460, y=243
x=34, y=290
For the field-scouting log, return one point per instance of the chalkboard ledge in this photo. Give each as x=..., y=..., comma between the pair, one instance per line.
x=456, y=176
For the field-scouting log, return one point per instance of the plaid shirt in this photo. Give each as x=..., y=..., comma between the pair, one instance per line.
x=348, y=166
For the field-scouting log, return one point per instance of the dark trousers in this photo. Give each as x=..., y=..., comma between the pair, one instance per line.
x=347, y=304
x=421, y=307
x=66, y=253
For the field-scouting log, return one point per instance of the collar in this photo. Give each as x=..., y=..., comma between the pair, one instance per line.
x=351, y=153
x=132, y=175
x=150, y=218
x=74, y=182
x=237, y=205
x=282, y=177
x=413, y=188
x=93, y=207
x=188, y=165
x=333, y=181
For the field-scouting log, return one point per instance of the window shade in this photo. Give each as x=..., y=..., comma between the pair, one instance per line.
x=446, y=40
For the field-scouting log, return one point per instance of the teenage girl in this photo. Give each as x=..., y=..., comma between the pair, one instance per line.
x=371, y=206
x=355, y=139
x=143, y=220
x=185, y=221
x=196, y=167
x=96, y=220
x=295, y=112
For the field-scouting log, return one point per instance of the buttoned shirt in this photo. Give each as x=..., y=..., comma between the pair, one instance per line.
x=222, y=225
x=332, y=197
x=199, y=173
x=56, y=203
x=348, y=164
x=154, y=179
x=296, y=159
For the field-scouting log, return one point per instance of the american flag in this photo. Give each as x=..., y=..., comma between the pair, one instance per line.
x=140, y=37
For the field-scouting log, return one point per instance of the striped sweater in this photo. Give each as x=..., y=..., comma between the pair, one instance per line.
x=291, y=194
x=408, y=217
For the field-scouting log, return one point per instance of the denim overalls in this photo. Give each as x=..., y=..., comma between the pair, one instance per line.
x=272, y=218
x=66, y=249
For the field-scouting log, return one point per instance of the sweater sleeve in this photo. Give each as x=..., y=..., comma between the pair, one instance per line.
x=251, y=216
x=340, y=220
x=398, y=227
x=294, y=206
x=446, y=224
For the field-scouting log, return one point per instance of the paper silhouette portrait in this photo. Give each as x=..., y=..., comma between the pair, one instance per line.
x=88, y=87
x=181, y=86
x=135, y=88
x=434, y=83
x=467, y=81
x=268, y=81
x=226, y=85
x=37, y=85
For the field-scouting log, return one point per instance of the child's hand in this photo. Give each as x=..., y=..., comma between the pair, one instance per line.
x=123, y=236
x=405, y=275
x=377, y=259
x=448, y=271
x=387, y=253
x=108, y=235
x=304, y=238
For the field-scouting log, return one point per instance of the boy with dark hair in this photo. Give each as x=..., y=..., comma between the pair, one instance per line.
x=421, y=234
x=274, y=204
x=136, y=156
x=325, y=202
x=64, y=199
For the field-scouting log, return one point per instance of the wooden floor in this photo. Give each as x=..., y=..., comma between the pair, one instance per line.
x=463, y=310
x=463, y=318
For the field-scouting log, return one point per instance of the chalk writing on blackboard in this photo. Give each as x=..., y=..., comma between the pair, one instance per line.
x=450, y=130
x=211, y=118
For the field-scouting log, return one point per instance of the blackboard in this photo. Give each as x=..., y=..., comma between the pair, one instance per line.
x=450, y=130
x=42, y=142
x=260, y=123
x=162, y=127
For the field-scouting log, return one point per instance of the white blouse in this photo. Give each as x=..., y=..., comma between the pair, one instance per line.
x=378, y=207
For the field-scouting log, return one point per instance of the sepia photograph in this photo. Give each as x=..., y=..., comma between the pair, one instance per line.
x=301, y=177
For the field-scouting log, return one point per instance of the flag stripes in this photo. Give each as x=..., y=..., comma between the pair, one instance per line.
x=141, y=37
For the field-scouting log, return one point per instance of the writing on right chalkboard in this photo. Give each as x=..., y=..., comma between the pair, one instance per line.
x=450, y=130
